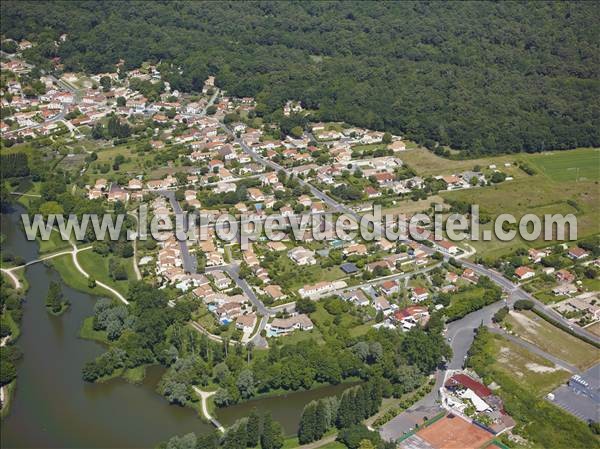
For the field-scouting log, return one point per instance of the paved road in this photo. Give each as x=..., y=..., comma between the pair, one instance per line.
x=189, y=262
x=518, y=293
x=233, y=270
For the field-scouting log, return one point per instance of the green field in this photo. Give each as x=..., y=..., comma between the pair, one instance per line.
x=73, y=278
x=428, y=164
x=96, y=265
x=296, y=276
x=538, y=374
x=576, y=165
x=545, y=336
x=547, y=192
x=54, y=244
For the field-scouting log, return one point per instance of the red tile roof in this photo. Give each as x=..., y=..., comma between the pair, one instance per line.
x=462, y=379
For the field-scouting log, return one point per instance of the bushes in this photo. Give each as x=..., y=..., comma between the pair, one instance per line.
x=500, y=315
x=14, y=165
x=523, y=304
x=471, y=299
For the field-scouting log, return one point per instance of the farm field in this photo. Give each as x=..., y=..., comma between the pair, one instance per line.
x=428, y=164
x=410, y=207
x=559, y=165
x=565, y=183
x=535, y=330
x=533, y=371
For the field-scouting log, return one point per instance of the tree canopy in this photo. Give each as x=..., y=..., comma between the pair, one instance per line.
x=477, y=76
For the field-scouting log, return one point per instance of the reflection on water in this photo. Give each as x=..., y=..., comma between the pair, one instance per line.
x=54, y=408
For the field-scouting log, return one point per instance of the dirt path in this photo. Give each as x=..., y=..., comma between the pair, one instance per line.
x=86, y=275
x=204, y=395
x=15, y=280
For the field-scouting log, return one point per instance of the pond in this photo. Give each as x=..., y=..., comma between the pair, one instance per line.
x=53, y=407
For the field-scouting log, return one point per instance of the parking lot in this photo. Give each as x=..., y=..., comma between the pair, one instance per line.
x=581, y=399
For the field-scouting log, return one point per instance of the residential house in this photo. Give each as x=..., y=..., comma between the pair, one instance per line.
x=577, y=253
x=285, y=326
x=255, y=194
x=317, y=289
x=390, y=287
x=274, y=292
x=382, y=305
x=536, y=255
x=135, y=184
x=397, y=146
x=228, y=312
x=220, y=279
x=356, y=249
x=419, y=294
x=565, y=276
x=246, y=323
x=302, y=256
x=356, y=296
x=411, y=316
x=116, y=193
x=523, y=273
x=470, y=276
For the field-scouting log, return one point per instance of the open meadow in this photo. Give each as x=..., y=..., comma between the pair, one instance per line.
x=538, y=374
x=549, y=338
x=554, y=189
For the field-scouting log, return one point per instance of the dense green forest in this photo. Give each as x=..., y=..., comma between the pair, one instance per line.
x=480, y=77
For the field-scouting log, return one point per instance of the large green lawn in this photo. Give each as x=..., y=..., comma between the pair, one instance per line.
x=73, y=278
x=576, y=165
x=547, y=192
x=292, y=276
x=54, y=244
x=97, y=266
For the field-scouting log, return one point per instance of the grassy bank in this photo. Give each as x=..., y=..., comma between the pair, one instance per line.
x=87, y=332
x=73, y=278
x=96, y=265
